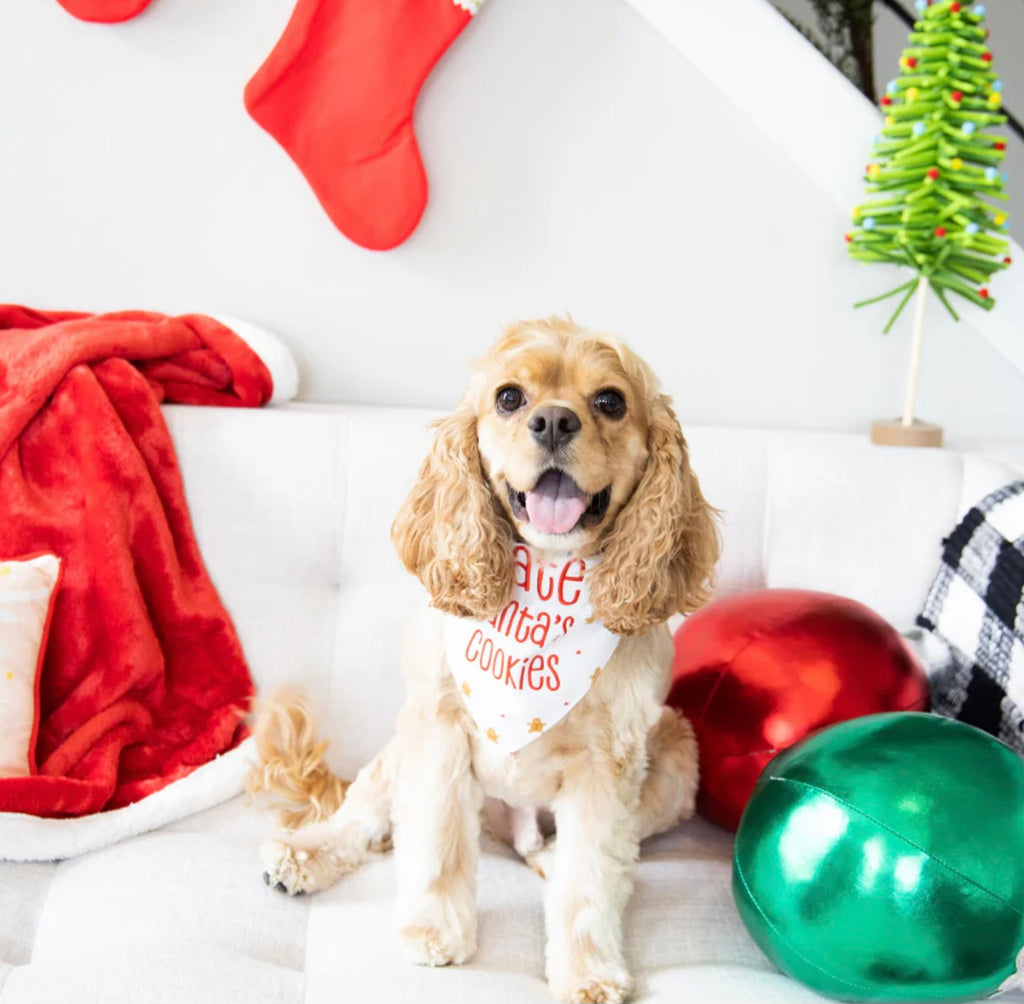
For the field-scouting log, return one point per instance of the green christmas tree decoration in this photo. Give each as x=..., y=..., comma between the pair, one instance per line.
x=935, y=169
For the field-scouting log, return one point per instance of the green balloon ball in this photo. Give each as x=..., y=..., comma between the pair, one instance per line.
x=882, y=859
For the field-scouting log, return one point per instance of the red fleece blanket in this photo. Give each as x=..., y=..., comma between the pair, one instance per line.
x=144, y=677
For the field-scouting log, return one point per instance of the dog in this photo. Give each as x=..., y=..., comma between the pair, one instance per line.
x=563, y=471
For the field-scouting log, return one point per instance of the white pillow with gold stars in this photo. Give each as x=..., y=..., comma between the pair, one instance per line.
x=27, y=588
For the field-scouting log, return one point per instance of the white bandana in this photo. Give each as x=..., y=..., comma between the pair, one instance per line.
x=524, y=670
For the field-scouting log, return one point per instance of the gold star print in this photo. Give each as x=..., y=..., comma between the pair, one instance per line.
x=10, y=675
x=536, y=725
x=5, y=569
x=595, y=675
x=465, y=688
x=492, y=735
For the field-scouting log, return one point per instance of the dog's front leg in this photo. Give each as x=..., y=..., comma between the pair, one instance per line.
x=436, y=837
x=592, y=875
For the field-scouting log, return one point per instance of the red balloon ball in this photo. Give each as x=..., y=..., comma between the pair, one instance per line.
x=756, y=672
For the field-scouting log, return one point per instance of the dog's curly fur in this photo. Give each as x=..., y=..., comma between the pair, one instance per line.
x=451, y=513
x=620, y=766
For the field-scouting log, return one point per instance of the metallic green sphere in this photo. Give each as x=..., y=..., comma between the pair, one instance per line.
x=882, y=859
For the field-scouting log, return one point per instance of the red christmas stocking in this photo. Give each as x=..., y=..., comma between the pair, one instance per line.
x=104, y=10
x=337, y=93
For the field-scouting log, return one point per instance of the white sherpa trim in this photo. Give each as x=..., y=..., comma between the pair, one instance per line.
x=272, y=351
x=30, y=838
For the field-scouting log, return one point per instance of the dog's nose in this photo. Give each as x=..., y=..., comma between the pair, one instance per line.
x=554, y=426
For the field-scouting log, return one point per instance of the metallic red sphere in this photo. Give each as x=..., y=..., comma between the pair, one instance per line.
x=756, y=672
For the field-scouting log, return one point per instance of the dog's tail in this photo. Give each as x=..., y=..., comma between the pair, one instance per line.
x=291, y=772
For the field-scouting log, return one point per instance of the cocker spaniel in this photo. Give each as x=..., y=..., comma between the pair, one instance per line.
x=556, y=525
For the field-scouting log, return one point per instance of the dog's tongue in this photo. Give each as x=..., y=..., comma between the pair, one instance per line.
x=555, y=504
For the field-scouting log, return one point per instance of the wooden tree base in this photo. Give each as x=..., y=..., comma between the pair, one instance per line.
x=892, y=432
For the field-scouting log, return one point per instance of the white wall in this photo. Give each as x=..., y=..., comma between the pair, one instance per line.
x=576, y=163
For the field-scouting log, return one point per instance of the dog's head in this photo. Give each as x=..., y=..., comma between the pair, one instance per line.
x=562, y=440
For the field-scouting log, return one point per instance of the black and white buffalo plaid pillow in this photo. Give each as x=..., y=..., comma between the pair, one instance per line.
x=976, y=606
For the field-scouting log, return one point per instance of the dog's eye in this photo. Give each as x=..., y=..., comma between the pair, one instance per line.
x=610, y=403
x=509, y=399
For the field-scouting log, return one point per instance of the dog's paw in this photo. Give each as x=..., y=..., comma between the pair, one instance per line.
x=527, y=837
x=611, y=986
x=297, y=870
x=542, y=860
x=284, y=867
x=432, y=945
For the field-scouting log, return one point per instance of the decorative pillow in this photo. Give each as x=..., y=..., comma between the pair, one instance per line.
x=975, y=613
x=754, y=673
x=27, y=590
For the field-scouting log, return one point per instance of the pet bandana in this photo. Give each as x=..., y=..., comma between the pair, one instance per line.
x=524, y=670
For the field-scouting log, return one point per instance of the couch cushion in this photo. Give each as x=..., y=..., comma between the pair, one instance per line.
x=180, y=912
x=23, y=891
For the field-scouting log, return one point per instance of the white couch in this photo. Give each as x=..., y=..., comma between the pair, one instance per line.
x=292, y=506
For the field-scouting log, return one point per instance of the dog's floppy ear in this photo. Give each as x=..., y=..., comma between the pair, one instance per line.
x=659, y=555
x=450, y=532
